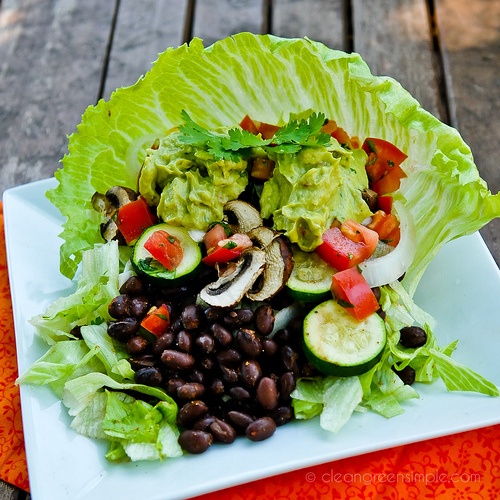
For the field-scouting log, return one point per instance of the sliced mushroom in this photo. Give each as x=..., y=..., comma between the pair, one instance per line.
x=242, y=216
x=279, y=263
x=110, y=231
x=115, y=197
x=230, y=288
x=120, y=195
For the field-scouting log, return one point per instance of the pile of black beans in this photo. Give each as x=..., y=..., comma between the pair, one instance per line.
x=228, y=376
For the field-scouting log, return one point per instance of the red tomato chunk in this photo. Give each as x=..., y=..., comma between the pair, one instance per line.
x=352, y=290
x=165, y=248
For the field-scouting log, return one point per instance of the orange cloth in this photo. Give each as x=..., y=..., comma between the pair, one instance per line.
x=12, y=455
x=458, y=467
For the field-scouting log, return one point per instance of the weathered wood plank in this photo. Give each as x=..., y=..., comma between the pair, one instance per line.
x=320, y=20
x=8, y=492
x=143, y=30
x=470, y=41
x=395, y=39
x=216, y=19
x=51, y=55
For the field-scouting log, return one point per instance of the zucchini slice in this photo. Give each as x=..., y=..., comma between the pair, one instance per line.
x=311, y=277
x=338, y=344
x=145, y=265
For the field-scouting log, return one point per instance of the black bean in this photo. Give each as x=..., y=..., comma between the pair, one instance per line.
x=148, y=376
x=248, y=342
x=197, y=376
x=222, y=431
x=269, y=347
x=184, y=341
x=177, y=360
x=123, y=329
x=290, y=357
x=264, y=319
x=133, y=286
x=286, y=384
x=229, y=357
x=267, y=393
x=207, y=363
x=407, y=374
x=229, y=375
x=191, y=411
x=260, y=429
x=412, y=336
x=204, y=423
x=190, y=391
x=173, y=384
x=217, y=387
x=250, y=373
x=119, y=307
x=282, y=415
x=136, y=344
x=238, y=317
x=144, y=361
x=205, y=343
x=163, y=342
x=239, y=393
x=194, y=441
x=213, y=314
x=240, y=419
x=221, y=334
x=191, y=317
x=139, y=306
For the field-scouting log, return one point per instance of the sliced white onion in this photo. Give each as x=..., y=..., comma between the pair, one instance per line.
x=387, y=268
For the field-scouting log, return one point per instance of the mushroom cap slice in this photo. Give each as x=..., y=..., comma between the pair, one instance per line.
x=279, y=263
x=247, y=217
x=230, y=288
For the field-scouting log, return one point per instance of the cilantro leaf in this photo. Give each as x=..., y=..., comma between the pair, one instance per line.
x=238, y=143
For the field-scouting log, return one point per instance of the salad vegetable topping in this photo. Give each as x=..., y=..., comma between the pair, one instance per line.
x=238, y=273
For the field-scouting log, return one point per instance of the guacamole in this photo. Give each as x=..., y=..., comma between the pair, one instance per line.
x=188, y=186
x=307, y=191
x=312, y=188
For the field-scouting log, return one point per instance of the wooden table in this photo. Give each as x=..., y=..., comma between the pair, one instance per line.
x=59, y=56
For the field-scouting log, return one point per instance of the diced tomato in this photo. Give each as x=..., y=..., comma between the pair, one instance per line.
x=342, y=252
x=390, y=182
x=385, y=203
x=255, y=127
x=212, y=237
x=267, y=130
x=165, y=248
x=353, y=292
x=133, y=218
x=383, y=165
x=386, y=226
x=249, y=125
x=157, y=321
x=360, y=234
x=331, y=127
x=220, y=255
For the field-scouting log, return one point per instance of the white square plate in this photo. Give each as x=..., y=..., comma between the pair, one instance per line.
x=461, y=289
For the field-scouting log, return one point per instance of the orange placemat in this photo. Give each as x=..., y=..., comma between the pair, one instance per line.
x=12, y=456
x=458, y=467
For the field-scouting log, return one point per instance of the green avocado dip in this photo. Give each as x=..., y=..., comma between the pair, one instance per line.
x=190, y=178
x=194, y=186
x=312, y=188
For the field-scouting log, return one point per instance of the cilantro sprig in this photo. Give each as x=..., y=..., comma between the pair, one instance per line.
x=238, y=143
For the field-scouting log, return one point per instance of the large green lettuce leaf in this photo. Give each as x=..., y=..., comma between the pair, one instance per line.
x=269, y=78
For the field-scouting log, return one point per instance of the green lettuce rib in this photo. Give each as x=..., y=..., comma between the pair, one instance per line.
x=269, y=78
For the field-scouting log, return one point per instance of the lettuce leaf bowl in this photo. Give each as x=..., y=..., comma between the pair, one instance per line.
x=269, y=78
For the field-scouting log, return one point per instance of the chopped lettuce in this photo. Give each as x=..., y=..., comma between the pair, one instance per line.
x=97, y=284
